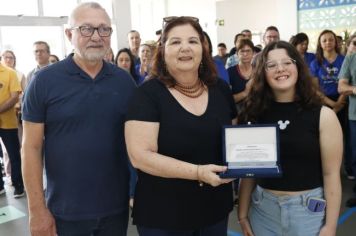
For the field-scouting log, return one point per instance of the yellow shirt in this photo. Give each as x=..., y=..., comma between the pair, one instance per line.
x=8, y=84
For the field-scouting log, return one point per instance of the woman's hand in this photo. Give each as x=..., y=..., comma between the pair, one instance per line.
x=246, y=227
x=209, y=174
x=327, y=231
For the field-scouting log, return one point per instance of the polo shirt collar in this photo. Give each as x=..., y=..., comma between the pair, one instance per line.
x=74, y=69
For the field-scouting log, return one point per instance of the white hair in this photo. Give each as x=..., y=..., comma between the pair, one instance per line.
x=93, y=5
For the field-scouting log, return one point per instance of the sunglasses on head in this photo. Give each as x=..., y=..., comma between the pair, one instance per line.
x=170, y=19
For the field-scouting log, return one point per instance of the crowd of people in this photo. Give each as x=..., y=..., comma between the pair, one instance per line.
x=142, y=128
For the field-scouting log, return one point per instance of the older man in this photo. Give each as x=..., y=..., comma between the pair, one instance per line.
x=77, y=108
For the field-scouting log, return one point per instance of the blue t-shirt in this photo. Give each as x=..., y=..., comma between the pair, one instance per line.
x=141, y=78
x=327, y=74
x=85, y=156
x=222, y=72
x=308, y=58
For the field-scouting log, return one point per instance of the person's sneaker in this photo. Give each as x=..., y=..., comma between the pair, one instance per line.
x=2, y=190
x=19, y=192
x=351, y=202
x=236, y=202
x=349, y=175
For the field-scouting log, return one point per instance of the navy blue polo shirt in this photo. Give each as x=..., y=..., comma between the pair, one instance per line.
x=85, y=154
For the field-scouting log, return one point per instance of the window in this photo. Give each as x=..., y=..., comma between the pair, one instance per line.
x=13, y=39
x=58, y=8
x=19, y=7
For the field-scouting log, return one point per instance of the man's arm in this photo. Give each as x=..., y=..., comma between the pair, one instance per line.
x=41, y=220
x=10, y=102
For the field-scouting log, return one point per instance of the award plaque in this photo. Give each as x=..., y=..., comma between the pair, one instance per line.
x=251, y=151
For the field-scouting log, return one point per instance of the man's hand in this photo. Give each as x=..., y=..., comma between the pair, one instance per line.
x=42, y=223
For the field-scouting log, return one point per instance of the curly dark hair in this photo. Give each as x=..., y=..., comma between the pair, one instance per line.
x=207, y=70
x=261, y=96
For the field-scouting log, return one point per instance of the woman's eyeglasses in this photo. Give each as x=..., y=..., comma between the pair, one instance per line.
x=170, y=19
x=285, y=63
x=354, y=43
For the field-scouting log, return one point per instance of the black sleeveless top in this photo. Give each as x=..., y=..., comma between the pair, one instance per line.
x=299, y=147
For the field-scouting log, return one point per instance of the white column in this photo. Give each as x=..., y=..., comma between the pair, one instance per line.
x=122, y=20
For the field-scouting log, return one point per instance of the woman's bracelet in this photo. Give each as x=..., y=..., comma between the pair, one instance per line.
x=199, y=181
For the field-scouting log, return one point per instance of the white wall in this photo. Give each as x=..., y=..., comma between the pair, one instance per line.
x=255, y=15
x=147, y=15
x=205, y=10
x=122, y=20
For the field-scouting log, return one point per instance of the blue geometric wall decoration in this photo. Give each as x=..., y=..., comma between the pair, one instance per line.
x=316, y=15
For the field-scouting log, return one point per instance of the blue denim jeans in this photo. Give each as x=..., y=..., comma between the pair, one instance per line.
x=284, y=215
x=115, y=225
x=219, y=228
x=11, y=141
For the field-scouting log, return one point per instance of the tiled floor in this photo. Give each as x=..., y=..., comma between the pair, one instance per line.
x=19, y=227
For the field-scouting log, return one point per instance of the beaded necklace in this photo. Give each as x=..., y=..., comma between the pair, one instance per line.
x=192, y=91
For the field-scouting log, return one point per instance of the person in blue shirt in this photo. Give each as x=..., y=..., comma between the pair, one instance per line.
x=301, y=41
x=326, y=66
x=222, y=72
x=143, y=68
x=73, y=112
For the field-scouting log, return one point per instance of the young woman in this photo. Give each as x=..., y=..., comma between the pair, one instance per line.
x=125, y=60
x=326, y=67
x=310, y=151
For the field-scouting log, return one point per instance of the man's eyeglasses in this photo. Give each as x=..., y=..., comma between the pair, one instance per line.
x=169, y=19
x=354, y=43
x=88, y=31
x=285, y=63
